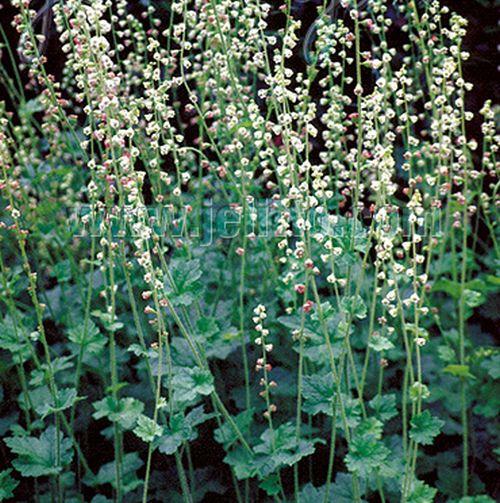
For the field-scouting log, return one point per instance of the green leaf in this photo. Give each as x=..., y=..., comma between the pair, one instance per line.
x=7, y=485
x=340, y=491
x=489, y=399
x=452, y=288
x=280, y=447
x=125, y=411
x=62, y=271
x=424, y=427
x=473, y=296
x=344, y=234
x=109, y=322
x=216, y=343
x=271, y=484
x=355, y=306
x=446, y=353
x=459, y=371
x=65, y=399
x=99, y=498
x=115, y=387
x=366, y=454
x=315, y=347
x=37, y=398
x=37, y=456
x=492, y=365
x=482, y=498
x=185, y=276
x=277, y=449
x=473, y=299
x=138, y=350
x=421, y=493
x=353, y=412
x=380, y=343
x=13, y=339
x=226, y=435
x=188, y=383
x=319, y=394
x=147, y=429
x=173, y=437
x=130, y=464
x=207, y=326
x=384, y=407
x=242, y=461
x=32, y=106
x=310, y=493
x=40, y=375
x=182, y=429
x=371, y=427
x=92, y=341
x=419, y=390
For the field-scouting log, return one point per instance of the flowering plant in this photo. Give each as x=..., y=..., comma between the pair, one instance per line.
x=244, y=259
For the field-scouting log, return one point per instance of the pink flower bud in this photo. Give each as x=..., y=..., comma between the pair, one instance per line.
x=308, y=305
x=300, y=288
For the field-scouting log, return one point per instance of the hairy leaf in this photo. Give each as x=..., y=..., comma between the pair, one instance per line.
x=38, y=456
x=424, y=427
